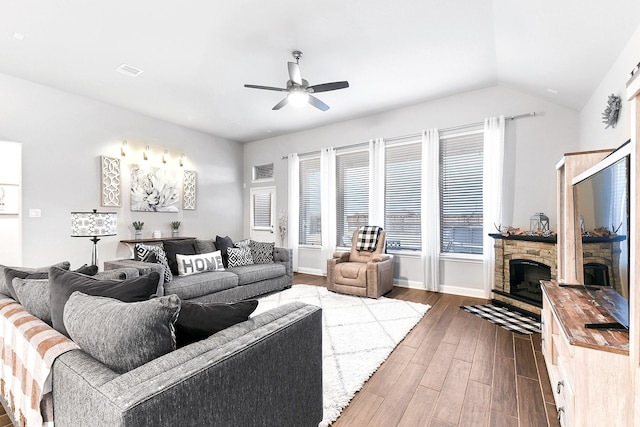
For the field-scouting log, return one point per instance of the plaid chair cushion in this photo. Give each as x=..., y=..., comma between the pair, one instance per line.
x=368, y=238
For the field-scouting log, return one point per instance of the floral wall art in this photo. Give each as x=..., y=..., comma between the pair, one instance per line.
x=153, y=190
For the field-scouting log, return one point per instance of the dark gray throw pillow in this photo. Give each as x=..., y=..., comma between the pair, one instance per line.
x=63, y=283
x=122, y=335
x=182, y=247
x=10, y=274
x=205, y=246
x=198, y=321
x=89, y=270
x=224, y=243
x=4, y=289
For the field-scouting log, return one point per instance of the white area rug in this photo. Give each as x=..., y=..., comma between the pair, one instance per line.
x=358, y=334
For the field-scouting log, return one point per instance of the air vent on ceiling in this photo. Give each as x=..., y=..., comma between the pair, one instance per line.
x=129, y=70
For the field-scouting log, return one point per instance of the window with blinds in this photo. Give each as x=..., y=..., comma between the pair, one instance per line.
x=310, y=202
x=263, y=172
x=262, y=210
x=402, y=198
x=352, y=194
x=461, y=163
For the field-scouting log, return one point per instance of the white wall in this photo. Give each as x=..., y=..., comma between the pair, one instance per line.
x=10, y=229
x=593, y=134
x=62, y=137
x=533, y=146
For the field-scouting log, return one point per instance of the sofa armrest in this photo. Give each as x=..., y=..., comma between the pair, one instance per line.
x=142, y=267
x=380, y=257
x=265, y=371
x=284, y=256
x=342, y=256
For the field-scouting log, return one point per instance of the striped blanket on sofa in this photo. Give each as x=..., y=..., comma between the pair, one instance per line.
x=27, y=351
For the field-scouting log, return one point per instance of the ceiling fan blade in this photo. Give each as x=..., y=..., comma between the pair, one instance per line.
x=281, y=104
x=294, y=73
x=325, y=87
x=317, y=103
x=277, y=89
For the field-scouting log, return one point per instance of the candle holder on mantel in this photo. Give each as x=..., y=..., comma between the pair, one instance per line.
x=539, y=224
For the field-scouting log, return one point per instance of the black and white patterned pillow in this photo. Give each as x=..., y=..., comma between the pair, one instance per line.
x=239, y=257
x=159, y=257
x=262, y=252
x=368, y=238
x=244, y=244
x=143, y=252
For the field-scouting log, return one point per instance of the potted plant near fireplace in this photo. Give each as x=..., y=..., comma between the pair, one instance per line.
x=175, y=226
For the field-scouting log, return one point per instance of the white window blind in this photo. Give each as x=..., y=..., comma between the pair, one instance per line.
x=352, y=194
x=262, y=210
x=461, y=165
x=310, y=202
x=402, y=195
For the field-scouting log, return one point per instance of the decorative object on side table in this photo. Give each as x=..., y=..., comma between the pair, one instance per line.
x=94, y=224
x=175, y=226
x=137, y=225
x=610, y=114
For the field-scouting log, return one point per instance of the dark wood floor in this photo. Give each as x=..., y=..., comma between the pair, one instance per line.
x=453, y=369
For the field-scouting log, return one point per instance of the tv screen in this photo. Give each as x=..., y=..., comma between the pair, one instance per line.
x=602, y=203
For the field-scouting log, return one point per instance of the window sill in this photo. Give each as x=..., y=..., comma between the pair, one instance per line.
x=472, y=258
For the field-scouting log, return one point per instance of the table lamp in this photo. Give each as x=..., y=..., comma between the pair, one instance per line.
x=94, y=224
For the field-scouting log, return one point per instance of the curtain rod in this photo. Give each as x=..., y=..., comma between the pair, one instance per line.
x=415, y=135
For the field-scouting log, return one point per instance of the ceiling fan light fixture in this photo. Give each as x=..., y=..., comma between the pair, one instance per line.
x=298, y=98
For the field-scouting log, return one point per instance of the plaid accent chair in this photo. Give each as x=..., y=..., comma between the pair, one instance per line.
x=361, y=272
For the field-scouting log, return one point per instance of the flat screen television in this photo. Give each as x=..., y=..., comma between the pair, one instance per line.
x=601, y=198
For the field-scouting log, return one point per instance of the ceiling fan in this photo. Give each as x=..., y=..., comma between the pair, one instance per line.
x=299, y=90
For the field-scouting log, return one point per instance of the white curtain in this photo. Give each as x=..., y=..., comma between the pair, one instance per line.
x=293, y=222
x=492, y=193
x=328, y=203
x=430, y=213
x=376, y=182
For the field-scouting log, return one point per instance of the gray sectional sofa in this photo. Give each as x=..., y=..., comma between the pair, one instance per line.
x=266, y=371
x=231, y=285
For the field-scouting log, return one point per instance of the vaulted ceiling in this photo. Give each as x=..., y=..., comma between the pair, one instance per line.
x=197, y=55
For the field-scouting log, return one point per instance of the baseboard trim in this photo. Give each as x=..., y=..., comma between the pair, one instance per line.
x=465, y=292
x=312, y=271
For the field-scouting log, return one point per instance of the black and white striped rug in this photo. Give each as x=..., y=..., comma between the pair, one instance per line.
x=508, y=319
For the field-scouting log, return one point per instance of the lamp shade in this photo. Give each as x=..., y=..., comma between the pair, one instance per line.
x=92, y=224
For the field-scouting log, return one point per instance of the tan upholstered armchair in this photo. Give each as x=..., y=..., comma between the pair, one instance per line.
x=361, y=273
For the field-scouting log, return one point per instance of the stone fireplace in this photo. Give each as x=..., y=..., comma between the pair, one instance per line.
x=521, y=262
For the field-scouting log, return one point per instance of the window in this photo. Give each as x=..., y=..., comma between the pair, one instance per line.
x=263, y=172
x=352, y=194
x=262, y=208
x=461, y=165
x=402, y=198
x=310, y=202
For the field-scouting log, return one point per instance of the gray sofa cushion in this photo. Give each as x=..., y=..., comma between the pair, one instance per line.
x=33, y=294
x=63, y=283
x=188, y=287
x=122, y=335
x=257, y=272
x=10, y=274
x=205, y=246
x=3, y=286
